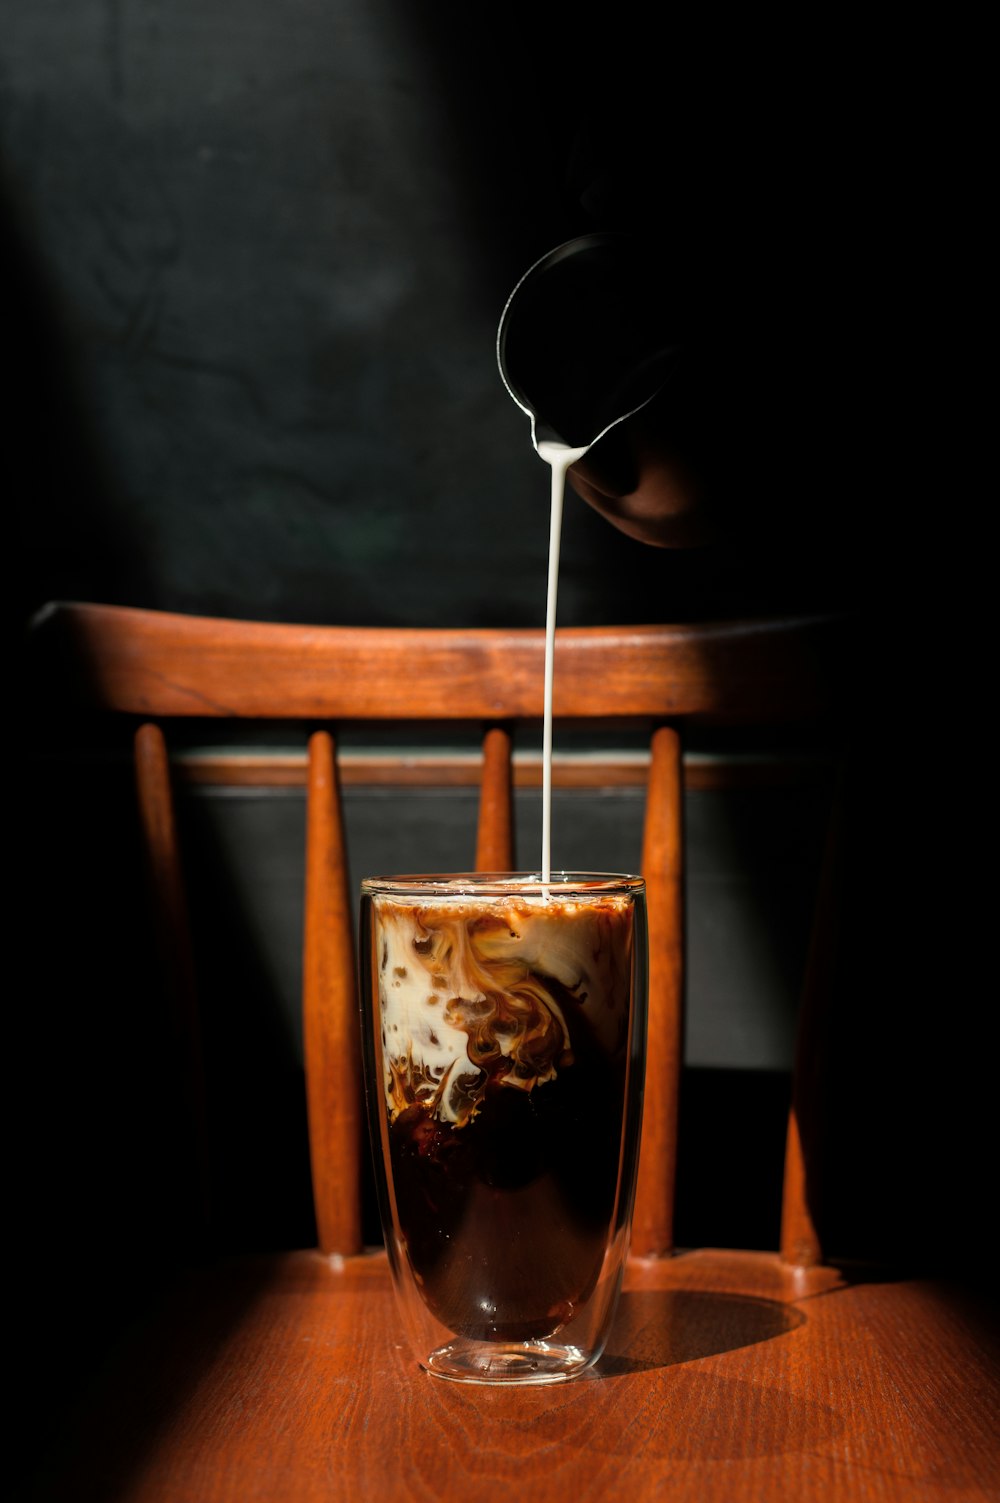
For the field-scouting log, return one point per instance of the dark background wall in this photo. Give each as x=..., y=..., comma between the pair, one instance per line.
x=255, y=259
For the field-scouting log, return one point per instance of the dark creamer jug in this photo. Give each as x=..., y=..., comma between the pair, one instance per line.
x=590, y=347
x=584, y=340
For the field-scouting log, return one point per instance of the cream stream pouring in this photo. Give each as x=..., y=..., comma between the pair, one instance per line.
x=581, y=347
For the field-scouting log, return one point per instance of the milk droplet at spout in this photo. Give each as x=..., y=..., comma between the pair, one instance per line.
x=559, y=457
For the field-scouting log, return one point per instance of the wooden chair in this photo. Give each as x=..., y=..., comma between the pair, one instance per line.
x=731, y=1373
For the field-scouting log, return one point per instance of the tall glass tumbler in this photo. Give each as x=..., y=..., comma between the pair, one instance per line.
x=504, y=1038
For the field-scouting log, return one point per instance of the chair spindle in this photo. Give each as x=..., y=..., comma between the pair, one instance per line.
x=331, y=1030
x=800, y=1239
x=494, y=839
x=172, y=931
x=662, y=855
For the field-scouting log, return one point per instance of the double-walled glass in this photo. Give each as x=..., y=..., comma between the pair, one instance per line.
x=504, y=1026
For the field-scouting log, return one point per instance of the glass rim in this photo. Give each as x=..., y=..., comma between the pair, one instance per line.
x=502, y=884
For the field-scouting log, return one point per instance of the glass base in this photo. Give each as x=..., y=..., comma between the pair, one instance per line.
x=524, y=1362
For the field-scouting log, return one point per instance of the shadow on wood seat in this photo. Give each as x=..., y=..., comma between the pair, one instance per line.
x=280, y=1377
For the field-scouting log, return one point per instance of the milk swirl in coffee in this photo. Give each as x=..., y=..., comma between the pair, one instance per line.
x=504, y=1033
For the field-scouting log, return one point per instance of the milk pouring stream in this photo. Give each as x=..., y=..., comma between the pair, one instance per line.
x=583, y=344
x=559, y=457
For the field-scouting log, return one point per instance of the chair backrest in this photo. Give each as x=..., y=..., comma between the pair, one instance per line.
x=159, y=667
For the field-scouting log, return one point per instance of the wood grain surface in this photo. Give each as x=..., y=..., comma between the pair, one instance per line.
x=154, y=663
x=728, y=1376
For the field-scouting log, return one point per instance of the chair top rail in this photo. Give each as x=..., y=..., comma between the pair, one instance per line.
x=156, y=663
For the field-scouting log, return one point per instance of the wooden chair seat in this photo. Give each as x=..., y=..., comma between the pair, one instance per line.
x=730, y=1374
